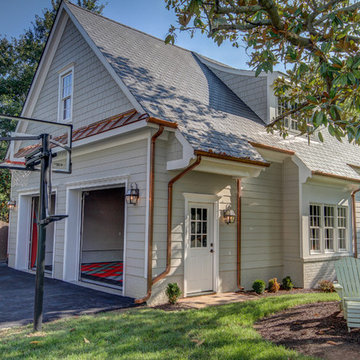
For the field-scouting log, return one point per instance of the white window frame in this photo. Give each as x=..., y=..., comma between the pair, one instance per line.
x=292, y=124
x=336, y=227
x=65, y=72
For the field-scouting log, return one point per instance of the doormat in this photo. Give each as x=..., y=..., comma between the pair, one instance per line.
x=106, y=272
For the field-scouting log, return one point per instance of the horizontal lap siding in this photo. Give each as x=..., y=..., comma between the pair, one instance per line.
x=125, y=160
x=262, y=226
x=291, y=230
x=262, y=246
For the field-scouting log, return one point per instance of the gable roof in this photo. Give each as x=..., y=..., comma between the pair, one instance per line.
x=172, y=84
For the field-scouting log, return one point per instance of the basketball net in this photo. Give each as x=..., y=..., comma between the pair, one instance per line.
x=20, y=177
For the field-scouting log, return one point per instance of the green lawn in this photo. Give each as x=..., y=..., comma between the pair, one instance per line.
x=221, y=332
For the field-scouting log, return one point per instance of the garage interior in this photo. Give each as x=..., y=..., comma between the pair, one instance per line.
x=49, y=244
x=102, y=240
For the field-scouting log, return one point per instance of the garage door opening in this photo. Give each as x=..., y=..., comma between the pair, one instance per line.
x=49, y=244
x=102, y=241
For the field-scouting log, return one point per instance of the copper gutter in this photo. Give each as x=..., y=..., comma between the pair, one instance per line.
x=353, y=203
x=151, y=215
x=162, y=122
x=231, y=158
x=169, y=216
x=271, y=148
x=238, y=233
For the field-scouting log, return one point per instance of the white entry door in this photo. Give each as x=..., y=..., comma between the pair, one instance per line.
x=200, y=248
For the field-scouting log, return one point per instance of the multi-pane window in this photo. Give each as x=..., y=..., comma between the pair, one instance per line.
x=329, y=225
x=283, y=107
x=315, y=224
x=66, y=86
x=341, y=224
x=198, y=227
x=328, y=228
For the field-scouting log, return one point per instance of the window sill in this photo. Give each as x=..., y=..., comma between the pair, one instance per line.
x=326, y=256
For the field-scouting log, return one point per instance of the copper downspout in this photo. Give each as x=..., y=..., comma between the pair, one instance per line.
x=238, y=233
x=169, y=217
x=151, y=215
x=353, y=203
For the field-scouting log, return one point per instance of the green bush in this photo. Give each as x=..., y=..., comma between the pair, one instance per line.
x=274, y=286
x=326, y=286
x=259, y=286
x=287, y=283
x=173, y=292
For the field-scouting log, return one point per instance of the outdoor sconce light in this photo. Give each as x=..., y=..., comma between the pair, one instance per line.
x=132, y=195
x=11, y=204
x=229, y=216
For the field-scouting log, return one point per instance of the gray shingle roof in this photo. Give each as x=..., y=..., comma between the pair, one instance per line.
x=172, y=84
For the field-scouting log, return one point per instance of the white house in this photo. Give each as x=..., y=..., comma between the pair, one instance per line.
x=189, y=133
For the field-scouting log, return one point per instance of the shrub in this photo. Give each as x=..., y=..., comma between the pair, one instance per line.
x=259, y=286
x=173, y=292
x=274, y=286
x=287, y=283
x=326, y=286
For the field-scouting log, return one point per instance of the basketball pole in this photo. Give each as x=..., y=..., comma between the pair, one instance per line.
x=42, y=215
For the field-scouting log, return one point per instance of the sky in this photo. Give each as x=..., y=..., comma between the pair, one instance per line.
x=150, y=16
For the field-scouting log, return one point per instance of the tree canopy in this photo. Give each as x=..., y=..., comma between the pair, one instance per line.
x=19, y=59
x=317, y=40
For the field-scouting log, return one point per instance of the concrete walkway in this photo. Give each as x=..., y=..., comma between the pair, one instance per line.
x=61, y=299
x=199, y=302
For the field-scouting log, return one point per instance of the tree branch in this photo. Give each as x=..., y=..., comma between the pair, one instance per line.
x=350, y=8
x=238, y=9
x=288, y=113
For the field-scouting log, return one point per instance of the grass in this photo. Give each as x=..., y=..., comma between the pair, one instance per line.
x=221, y=332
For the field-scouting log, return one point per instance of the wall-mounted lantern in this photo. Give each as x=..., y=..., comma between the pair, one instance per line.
x=132, y=194
x=229, y=216
x=11, y=205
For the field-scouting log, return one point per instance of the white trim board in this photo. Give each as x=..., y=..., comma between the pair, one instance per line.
x=72, y=238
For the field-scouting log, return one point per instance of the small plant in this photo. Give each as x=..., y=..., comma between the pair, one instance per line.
x=259, y=286
x=274, y=286
x=173, y=293
x=326, y=286
x=287, y=283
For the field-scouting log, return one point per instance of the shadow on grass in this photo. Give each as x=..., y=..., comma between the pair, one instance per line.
x=219, y=332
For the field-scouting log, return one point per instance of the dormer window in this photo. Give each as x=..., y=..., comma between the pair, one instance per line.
x=66, y=95
x=290, y=123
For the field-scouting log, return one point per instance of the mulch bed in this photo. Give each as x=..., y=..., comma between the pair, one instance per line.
x=317, y=330
x=281, y=292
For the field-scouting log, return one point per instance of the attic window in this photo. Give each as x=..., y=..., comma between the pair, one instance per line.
x=65, y=95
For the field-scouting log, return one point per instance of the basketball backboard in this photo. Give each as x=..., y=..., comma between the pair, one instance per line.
x=21, y=143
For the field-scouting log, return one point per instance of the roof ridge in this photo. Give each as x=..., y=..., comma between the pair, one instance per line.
x=152, y=36
x=131, y=28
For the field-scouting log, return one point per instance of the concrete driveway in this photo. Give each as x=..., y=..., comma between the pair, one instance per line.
x=61, y=299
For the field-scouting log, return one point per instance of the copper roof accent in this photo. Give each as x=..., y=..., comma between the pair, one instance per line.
x=320, y=173
x=231, y=158
x=271, y=148
x=93, y=129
